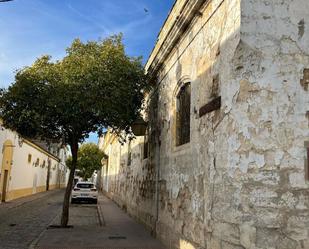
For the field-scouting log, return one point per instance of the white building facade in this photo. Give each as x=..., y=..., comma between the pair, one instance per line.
x=27, y=168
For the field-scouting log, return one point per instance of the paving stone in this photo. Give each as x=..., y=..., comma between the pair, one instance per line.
x=30, y=215
x=120, y=231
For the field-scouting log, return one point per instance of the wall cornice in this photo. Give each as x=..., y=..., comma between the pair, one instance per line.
x=178, y=21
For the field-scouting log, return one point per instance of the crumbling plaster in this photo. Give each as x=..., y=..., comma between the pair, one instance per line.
x=240, y=182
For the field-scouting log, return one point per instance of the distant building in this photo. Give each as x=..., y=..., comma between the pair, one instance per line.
x=28, y=167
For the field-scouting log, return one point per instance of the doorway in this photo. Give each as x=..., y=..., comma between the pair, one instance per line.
x=35, y=182
x=5, y=183
x=7, y=149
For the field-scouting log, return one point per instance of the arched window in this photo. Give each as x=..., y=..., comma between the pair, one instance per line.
x=183, y=107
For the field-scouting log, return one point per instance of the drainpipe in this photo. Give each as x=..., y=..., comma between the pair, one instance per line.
x=157, y=163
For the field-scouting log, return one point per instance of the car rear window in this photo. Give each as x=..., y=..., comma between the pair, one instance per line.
x=84, y=185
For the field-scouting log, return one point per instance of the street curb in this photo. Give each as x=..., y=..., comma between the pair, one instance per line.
x=44, y=194
x=100, y=215
x=36, y=240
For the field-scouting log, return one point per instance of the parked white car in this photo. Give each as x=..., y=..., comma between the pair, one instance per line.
x=84, y=191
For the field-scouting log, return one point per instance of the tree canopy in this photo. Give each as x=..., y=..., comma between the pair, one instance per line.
x=95, y=85
x=89, y=158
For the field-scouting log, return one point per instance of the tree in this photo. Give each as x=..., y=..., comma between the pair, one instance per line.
x=95, y=85
x=88, y=159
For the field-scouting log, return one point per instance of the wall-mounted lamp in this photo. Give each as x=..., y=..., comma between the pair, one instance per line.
x=139, y=127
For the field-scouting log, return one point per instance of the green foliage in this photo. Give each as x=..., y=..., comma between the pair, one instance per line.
x=95, y=85
x=88, y=160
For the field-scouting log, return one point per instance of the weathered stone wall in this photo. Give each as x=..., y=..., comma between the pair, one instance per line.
x=262, y=198
x=188, y=172
x=131, y=185
x=240, y=182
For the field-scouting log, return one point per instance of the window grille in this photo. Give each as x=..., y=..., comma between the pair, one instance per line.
x=307, y=160
x=183, y=107
x=129, y=154
x=146, y=146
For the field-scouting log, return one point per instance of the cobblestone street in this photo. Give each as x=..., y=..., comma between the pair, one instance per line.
x=22, y=221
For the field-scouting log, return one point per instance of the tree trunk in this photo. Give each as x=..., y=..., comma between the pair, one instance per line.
x=66, y=201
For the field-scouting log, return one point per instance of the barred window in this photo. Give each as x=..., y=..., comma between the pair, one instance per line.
x=29, y=158
x=307, y=164
x=129, y=160
x=146, y=145
x=307, y=160
x=183, y=106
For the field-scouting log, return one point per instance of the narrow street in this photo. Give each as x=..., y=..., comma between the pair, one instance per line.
x=28, y=223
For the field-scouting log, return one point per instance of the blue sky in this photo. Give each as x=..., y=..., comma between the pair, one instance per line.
x=31, y=28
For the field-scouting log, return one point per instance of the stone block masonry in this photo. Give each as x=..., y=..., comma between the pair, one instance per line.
x=241, y=180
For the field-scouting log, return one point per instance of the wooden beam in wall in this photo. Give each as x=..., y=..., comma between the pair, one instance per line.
x=211, y=106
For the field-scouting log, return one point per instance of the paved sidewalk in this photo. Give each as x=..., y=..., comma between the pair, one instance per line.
x=119, y=231
x=81, y=216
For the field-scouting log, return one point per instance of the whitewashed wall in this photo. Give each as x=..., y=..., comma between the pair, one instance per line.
x=29, y=177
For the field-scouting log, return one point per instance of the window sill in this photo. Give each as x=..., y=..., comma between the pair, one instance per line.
x=182, y=147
